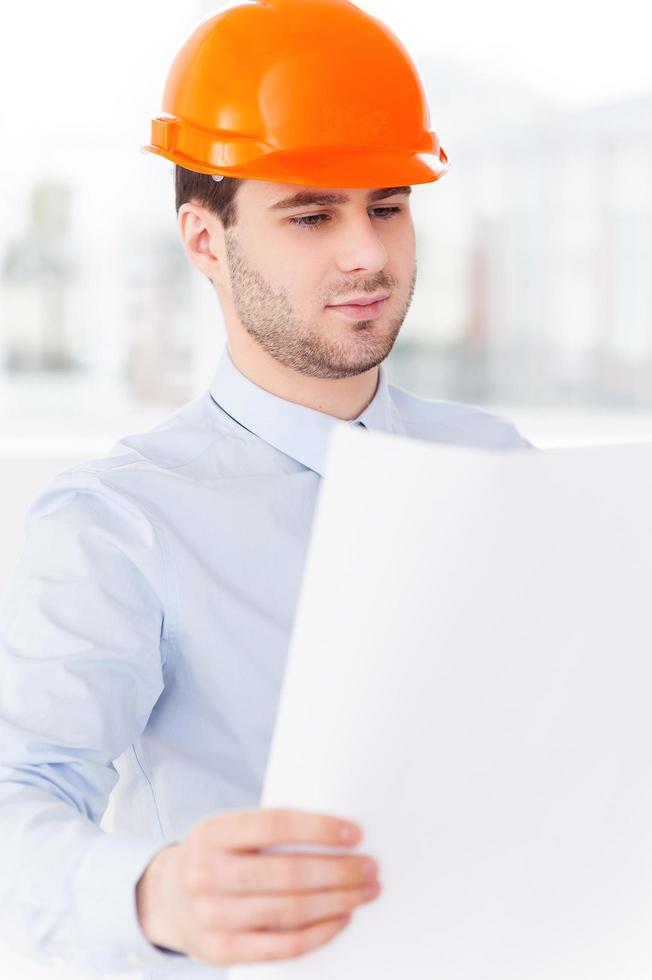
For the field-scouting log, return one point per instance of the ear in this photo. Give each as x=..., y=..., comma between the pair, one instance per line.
x=201, y=237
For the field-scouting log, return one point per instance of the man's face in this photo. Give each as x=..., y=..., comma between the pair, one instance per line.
x=290, y=261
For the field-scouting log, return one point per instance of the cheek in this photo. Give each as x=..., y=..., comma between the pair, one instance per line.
x=400, y=243
x=407, y=256
x=305, y=274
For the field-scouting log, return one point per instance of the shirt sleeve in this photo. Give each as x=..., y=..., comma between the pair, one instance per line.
x=80, y=671
x=520, y=442
x=506, y=434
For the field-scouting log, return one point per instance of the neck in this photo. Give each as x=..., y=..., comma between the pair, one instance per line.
x=344, y=398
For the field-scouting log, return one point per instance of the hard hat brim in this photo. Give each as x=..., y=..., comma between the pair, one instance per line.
x=328, y=166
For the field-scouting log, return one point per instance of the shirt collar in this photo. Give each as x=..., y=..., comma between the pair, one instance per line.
x=296, y=430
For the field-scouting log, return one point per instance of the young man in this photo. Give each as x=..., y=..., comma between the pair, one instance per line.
x=145, y=634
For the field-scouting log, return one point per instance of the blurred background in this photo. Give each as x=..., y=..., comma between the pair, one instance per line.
x=534, y=289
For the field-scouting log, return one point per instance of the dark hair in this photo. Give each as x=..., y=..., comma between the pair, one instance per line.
x=218, y=196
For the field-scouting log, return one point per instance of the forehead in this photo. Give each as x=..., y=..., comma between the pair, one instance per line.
x=276, y=196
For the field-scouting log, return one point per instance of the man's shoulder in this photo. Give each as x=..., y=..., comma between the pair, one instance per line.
x=177, y=440
x=139, y=464
x=459, y=423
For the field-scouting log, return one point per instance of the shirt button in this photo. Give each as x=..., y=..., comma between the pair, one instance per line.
x=134, y=959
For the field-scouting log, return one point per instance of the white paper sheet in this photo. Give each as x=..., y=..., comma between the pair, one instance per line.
x=470, y=678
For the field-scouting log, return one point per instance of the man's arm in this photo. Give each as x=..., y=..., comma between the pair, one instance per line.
x=80, y=671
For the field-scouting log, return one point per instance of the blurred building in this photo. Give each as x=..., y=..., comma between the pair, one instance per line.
x=155, y=278
x=552, y=219
x=37, y=279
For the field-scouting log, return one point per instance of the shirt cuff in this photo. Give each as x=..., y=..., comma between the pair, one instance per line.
x=104, y=892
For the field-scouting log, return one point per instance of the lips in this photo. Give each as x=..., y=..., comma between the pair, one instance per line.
x=363, y=300
x=359, y=311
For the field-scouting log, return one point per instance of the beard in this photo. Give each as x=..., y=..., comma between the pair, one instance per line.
x=267, y=315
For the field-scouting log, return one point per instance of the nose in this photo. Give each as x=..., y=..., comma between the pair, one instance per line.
x=361, y=249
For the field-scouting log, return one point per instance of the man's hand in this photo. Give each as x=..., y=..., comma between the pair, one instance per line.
x=215, y=897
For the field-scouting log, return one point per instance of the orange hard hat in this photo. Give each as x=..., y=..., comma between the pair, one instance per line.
x=313, y=92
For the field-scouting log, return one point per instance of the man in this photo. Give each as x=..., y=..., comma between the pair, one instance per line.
x=145, y=634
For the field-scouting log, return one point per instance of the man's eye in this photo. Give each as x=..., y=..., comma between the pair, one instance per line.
x=314, y=220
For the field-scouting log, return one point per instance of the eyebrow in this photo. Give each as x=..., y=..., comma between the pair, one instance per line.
x=321, y=199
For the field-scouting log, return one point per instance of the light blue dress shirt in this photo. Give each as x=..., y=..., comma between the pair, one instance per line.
x=142, y=646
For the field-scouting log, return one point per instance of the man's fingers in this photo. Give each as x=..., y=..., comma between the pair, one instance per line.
x=250, y=947
x=279, y=911
x=261, y=873
x=251, y=829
